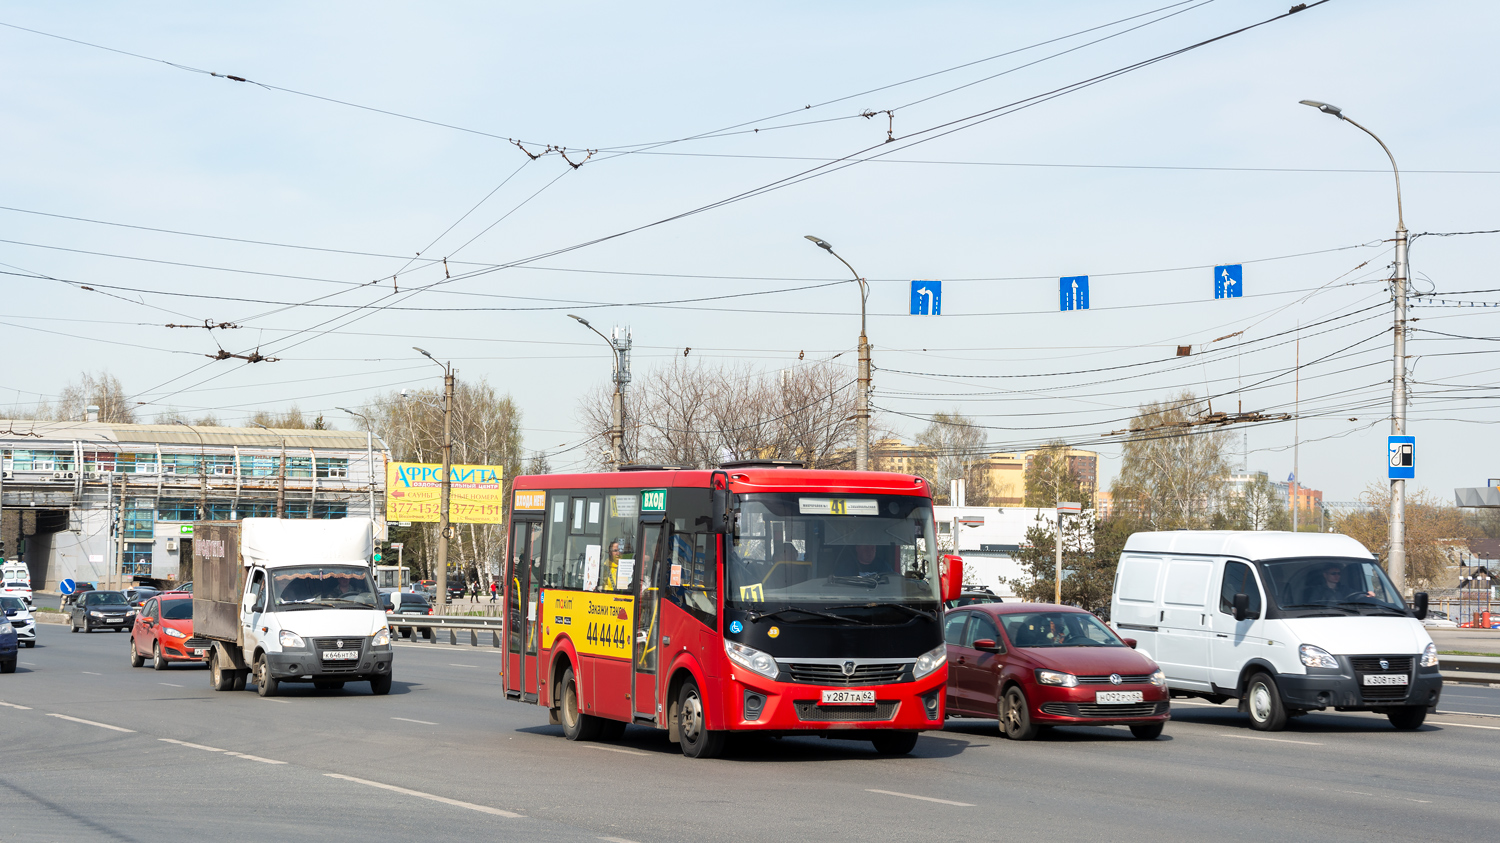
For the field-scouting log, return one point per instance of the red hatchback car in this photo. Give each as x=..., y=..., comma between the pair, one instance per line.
x=163, y=632
x=1035, y=665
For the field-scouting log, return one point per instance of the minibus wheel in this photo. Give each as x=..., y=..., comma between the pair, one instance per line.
x=1263, y=702
x=894, y=743
x=1407, y=717
x=577, y=726
x=698, y=741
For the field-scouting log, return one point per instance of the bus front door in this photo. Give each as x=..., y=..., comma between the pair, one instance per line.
x=647, y=623
x=521, y=578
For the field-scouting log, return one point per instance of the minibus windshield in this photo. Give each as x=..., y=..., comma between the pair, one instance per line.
x=1331, y=585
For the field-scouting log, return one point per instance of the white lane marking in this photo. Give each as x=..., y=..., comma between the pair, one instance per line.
x=409, y=720
x=90, y=723
x=1208, y=704
x=616, y=840
x=1357, y=792
x=283, y=702
x=451, y=664
x=1409, y=799
x=615, y=749
x=253, y=758
x=1449, y=713
x=90, y=672
x=1464, y=725
x=13, y=705
x=192, y=745
x=1259, y=738
x=169, y=684
x=923, y=798
x=29, y=664
x=483, y=809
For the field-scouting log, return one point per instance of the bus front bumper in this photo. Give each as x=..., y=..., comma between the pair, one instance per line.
x=758, y=704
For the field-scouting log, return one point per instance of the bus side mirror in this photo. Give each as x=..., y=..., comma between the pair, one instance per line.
x=951, y=577
x=1241, y=606
x=719, y=502
x=1420, y=598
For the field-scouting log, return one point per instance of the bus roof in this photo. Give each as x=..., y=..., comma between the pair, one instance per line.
x=742, y=480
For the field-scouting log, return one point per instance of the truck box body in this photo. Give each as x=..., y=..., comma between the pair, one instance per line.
x=220, y=580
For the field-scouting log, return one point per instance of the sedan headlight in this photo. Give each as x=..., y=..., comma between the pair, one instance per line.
x=1316, y=657
x=1053, y=677
x=930, y=661
x=752, y=658
x=291, y=640
x=1159, y=678
x=6, y=628
x=1429, y=656
x=382, y=638
x=96, y=614
x=174, y=633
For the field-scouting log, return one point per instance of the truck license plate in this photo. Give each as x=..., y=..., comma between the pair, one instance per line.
x=848, y=698
x=340, y=655
x=1385, y=679
x=1116, y=697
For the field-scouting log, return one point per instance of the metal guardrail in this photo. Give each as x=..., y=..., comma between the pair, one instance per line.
x=1470, y=670
x=474, y=625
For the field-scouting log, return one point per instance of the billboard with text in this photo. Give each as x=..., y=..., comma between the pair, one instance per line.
x=413, y=492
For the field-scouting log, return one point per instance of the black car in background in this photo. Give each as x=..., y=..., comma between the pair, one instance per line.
x=406, y=603
x=139, y=594
x=102, y=610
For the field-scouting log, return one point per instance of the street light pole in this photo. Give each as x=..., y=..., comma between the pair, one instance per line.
x=370, y=460
x=202, y=471
x=862, y=397
x=1396, y=538
x=442, y=550
x=617, y=403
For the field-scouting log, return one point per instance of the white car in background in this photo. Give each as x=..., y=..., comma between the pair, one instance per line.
x=17, y=588
x=1438, y=620
x=18, y=615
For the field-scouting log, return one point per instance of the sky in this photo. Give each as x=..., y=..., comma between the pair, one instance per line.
x=314, y=204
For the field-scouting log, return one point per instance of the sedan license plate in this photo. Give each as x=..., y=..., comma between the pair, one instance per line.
x=1385, y=679
x=340, y=655
x=848, y=698
x=113, y=620
x=198, y=651
x=1117, y=697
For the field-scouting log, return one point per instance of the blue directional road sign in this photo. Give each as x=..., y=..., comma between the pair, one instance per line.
x=1074, y=292
x=67, y=586
x=1229, y=281
x=927, y=298
x=1403, y=457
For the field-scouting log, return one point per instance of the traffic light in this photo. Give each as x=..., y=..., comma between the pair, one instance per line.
x=377, y=557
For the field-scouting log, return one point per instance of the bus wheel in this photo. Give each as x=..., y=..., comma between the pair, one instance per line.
x=895, y=743
x=577, y=726
x=697, y=740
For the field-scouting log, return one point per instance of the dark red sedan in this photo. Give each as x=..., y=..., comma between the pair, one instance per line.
x=1035, y=665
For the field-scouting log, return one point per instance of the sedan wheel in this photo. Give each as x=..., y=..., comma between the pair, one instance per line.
x=136, y=659
x=1015, y=716
x=158, y=662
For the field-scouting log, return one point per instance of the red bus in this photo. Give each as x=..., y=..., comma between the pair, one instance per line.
x=753, y=598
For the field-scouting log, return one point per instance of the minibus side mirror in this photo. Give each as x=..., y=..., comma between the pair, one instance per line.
x=1420, y=598
x=1241, y=603
x=719, y=502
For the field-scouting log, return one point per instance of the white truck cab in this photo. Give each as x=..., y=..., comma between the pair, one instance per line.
x=1285, y=622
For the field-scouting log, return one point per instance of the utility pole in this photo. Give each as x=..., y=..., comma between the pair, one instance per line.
x=862, y=396
x=1396, y=538
x=442, y=553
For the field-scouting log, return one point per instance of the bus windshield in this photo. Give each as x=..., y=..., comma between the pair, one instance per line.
x=832, y=549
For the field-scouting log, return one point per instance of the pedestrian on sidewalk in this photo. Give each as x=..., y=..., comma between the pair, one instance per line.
x=494, y=591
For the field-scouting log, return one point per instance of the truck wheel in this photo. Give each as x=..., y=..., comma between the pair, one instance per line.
x=577, y=726
x=158, y=662
x=1407, y=717
x=136, y=659
x=237, y=679
x=895, y=743
x=1263, y=702
x=265, y=684
x=698, y=741
x=379, y=685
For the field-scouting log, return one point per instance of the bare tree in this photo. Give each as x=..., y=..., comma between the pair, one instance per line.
x=288, y=419
x=1432, y=526
x=954, y=447
x=1253, y=506
x=102, y=390
x=1172, y=474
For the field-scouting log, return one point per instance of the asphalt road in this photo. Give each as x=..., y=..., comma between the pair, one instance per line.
x=96, y=750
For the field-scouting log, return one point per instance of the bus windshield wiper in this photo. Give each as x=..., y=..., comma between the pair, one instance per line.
x=867, y=582
x=755, y=616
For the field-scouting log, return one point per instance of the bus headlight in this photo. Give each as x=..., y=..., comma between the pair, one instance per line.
x=930, y=661
x=752, y=658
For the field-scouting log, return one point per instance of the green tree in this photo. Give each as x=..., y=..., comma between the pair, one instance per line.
x=1050, y=478
x=1091, y=551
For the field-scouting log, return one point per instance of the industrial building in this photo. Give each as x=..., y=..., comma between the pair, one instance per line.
x=112, y=503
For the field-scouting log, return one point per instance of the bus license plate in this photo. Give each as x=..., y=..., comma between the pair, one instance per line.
x=848, y=698
x=1385, y=679
x=340, y=655
x=1116, y=697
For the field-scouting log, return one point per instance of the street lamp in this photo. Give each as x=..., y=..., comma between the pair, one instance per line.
x=202, y=471
x=1397, y=535
x=617, y=404
x=369, y=459
x=280, y=473
x=442, y=549
x=862, y=397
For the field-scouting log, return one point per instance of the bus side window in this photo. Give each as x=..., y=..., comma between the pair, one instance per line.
x=692, y=574
x=557, y=536
x=585, y=546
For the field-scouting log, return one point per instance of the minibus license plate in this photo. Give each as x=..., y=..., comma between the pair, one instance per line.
x=340, y=655
x=1117, y=697
x=848, y=698
x=1385, y=679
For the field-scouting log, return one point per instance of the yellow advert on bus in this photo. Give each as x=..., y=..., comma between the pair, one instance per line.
x=598, y=624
